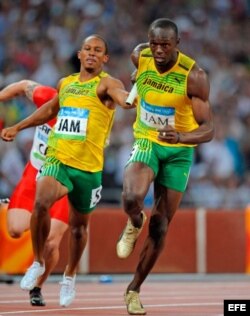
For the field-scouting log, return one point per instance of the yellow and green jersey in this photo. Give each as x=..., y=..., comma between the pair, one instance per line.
x=83, y=125
x=162, y=98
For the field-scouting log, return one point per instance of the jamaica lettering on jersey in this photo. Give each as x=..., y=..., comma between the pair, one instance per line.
x=163, y=98
x=83, y=125
x=159, y=86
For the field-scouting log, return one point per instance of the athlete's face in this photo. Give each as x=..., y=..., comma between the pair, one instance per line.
x=93, y=54
x=163, y=44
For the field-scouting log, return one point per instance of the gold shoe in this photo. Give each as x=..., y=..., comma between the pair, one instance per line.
x=134, y=305
x=127, y=240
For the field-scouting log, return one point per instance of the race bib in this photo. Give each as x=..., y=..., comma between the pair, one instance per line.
x=39, y=148
x=95, y=196
x=156, y=116
x=72, y=123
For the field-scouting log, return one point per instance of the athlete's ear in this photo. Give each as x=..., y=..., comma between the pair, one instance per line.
x=105, y=59
x=178, y=41
x=78, y=54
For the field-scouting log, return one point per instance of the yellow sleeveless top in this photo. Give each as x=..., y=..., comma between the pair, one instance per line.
x=162, y=98
x=83, y=125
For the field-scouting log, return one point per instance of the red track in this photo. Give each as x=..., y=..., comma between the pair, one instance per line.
x=195, y=298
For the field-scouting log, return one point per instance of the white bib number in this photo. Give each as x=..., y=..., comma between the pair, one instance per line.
x=72, y=123
x=156, y=116
x=95, y=196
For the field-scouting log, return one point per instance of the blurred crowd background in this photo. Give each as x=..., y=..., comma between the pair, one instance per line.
x=39, y=40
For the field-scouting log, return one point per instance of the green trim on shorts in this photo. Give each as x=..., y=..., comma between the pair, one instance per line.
x=171, y=165
x=84, y=187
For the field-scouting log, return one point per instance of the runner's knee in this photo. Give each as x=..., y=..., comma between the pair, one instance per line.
x=132, y=201
x=79, y=232
x=14, y=231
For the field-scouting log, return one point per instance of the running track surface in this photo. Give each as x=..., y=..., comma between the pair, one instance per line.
x=190, y=296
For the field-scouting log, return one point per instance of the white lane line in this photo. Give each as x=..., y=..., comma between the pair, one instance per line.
x=34, y=311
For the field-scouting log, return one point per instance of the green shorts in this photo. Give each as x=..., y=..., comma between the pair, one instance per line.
x=84, y=187
x=171, y=165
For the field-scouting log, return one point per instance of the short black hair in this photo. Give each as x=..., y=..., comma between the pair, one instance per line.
x=164, y=23
x=101, y=38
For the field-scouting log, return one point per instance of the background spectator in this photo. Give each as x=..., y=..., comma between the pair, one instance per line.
x=39, y=40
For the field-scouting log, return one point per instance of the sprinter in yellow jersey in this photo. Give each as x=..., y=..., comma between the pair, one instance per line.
x=173, y=116
x=74, y=161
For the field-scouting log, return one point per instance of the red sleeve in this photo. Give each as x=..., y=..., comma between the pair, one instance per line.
x=43, y=94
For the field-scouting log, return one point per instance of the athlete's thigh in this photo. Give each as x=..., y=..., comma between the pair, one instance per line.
x=52, y=182
x=49, y=190
x=24, y=193
x=141, y=168
x=174, y=171
x=87, y=187
x=137, y=178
